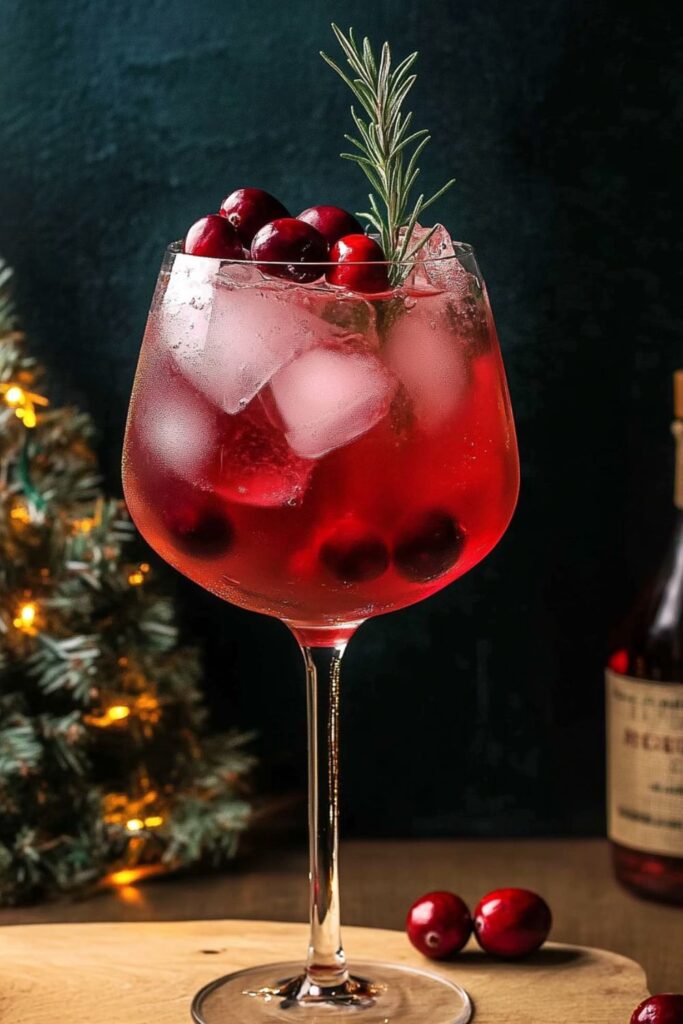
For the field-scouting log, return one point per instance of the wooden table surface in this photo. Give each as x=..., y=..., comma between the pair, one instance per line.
x=381, y=878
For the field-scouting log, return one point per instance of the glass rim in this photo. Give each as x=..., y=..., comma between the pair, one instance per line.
x=461, y=249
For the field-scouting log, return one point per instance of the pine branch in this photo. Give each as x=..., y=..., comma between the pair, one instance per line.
x=383, y=146
x=96, y=641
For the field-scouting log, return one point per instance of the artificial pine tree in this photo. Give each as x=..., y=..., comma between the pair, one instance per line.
x=104, y=771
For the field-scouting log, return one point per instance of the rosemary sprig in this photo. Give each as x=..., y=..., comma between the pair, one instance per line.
x=385, y=148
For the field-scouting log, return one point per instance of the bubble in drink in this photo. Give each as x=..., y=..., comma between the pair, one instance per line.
x=427, y=356
x=328, y=397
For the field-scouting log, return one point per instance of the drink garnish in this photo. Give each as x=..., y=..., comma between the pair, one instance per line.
x=385, y=148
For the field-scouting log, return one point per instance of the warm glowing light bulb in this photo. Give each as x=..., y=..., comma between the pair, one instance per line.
x=15, y=395
x=153, y=821
x=26, y=616
x=118, y=712
x=135, y=824
x=136, y=578
x=126, y=876
x=21, y=513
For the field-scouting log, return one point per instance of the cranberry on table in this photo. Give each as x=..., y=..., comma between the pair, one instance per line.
x=213, y=236
x=248, y=209
x=199, y=528
x=331, y=221
x=428, y=546
x=666, y=1008
x=354, y=554
x=360, y=265
x=439, y=924
x=296, y=245
x=512, y=923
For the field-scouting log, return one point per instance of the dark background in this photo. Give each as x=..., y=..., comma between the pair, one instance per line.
x=479, y=711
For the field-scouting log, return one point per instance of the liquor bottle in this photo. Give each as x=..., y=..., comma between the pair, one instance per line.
x=644, y=707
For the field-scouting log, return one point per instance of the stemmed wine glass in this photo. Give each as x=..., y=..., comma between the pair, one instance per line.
x=321, y=456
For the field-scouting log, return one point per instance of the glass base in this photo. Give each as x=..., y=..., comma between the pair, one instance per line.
x=374, y=994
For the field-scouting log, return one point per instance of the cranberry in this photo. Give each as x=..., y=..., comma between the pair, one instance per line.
x=213, y=236
x=360, y=266
x=666, y=1008
x=511, y=922
x=248, y=209
x=331, y=221
x=439, y=924
x=293, y=243
x=353, y=554
x=199, y=528
x=428, y=546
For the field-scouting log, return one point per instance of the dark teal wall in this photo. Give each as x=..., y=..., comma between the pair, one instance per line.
x=122, y=122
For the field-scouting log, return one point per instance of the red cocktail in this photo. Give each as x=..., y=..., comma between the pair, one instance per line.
x=316, y=454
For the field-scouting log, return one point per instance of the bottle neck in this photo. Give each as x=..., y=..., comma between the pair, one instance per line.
x=677, y=431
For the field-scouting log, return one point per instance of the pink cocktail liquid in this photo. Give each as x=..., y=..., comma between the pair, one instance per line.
x=313, y=454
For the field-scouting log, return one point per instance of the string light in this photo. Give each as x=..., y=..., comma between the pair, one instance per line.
x=26, y=617
x=118, y=712
x=83, y=525
x=14, y=396
x=125, y=878
x=137, y=824
x=20, y=513
x=28, y=414
x=134, y=815
x=145, y=708
x=23, y=402
x=137, y=577
x=88, y=523
x=115, y=713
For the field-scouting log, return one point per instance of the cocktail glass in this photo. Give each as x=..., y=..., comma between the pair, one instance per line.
x=322, y=456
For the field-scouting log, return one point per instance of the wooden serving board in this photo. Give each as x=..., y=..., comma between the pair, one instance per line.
x=148, y=973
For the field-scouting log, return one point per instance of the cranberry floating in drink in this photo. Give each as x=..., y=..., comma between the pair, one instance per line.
x=354, y=554
x=325, y=435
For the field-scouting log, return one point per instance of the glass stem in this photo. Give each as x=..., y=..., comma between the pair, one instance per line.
x=326, y=964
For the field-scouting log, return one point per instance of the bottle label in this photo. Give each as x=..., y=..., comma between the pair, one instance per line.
x=645, y=764
x=677, y=431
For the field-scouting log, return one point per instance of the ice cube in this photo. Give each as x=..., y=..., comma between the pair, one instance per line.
x=185, y=306
x=425, y=352
x=328, y=397
x=351, y=315
x=253, y=332
x=254, y=463
x=437, y=267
